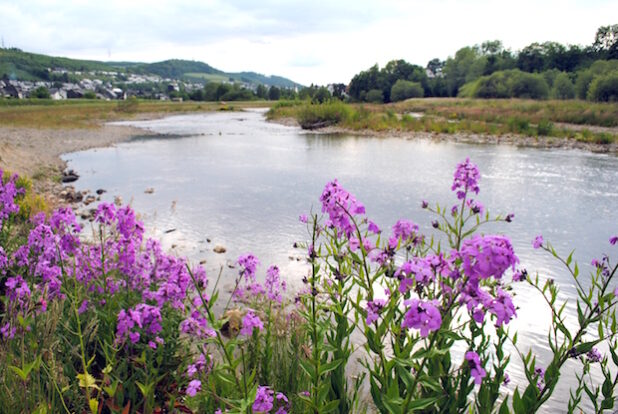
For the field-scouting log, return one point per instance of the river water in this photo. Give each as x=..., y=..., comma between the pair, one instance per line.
x=233, y=179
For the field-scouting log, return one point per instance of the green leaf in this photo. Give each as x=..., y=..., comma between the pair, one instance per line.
x=88, y=381
x=94, y=405
x=20, y=373
x=329, y=366
x=585, y=347
x=307, y=367
x=422, y=403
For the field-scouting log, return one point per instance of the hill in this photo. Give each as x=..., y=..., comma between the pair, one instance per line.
x=17, y=64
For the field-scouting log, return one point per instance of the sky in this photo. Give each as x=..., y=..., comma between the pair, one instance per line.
x=309, y=42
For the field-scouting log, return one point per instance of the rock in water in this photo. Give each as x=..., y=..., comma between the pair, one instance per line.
x=219, y=249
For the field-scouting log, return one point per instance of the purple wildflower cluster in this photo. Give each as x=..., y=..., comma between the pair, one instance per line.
x=266, y=399
x=339, y=204
x=8, y=193
x=422, y=315
x=272, y=288
x=466, y=179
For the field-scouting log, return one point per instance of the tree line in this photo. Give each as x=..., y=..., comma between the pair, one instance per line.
x=538, y=71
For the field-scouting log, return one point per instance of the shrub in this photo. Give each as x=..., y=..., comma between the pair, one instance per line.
x=374, y=96
x=403, y=89
x=544, y=127
x=41, y=93
x=604, y=88
x=562, y=87
x=320, y=115
x=529, y=86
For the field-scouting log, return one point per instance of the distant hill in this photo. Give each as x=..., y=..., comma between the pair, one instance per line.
x=18, y=64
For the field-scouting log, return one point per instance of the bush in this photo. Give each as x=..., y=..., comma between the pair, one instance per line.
x=529, y=86
x=403, y=89
x=604, y=88
x=563, y=88
x=544, y=127
x=374, y=96
x=41, y=93
x=497, y=85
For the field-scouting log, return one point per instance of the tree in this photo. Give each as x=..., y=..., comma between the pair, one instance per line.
x=261, y=92
x=462, y=68
x=274, y=93
x=606, y=41
x=41, y=93
x=604, y=88
x=435, y=66
x=321, y=95
x=403, y=89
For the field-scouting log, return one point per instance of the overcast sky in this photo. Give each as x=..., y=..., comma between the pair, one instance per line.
x=307, y=41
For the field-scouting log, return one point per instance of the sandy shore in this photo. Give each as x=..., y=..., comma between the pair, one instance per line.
x=36, y=152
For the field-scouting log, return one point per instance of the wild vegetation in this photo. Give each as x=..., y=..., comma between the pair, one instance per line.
x=116, y=325
x=450, y=116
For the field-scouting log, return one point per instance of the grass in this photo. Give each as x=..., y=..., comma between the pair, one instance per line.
x=450, y=116
x=91, y=113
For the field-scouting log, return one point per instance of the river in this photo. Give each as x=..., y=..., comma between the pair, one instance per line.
x=233, y=179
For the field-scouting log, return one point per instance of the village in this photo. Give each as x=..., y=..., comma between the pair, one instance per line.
x=105, y=85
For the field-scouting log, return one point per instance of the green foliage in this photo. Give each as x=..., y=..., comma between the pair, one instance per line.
x=274, y=93
x=508, y=84
x=41, y=93
x=403, y=89
x=90, y=95
x=562, y=87
x=374, y=96
x=604, y=88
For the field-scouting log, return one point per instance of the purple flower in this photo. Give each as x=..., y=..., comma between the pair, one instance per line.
x=274, y=285
x=594, y=355
x=374, y=227
x=509, y=217
x=303, y=218
x=502, y=307
x=537, y=242
x=506, y=380
x=83, y=307
x=540, y=371
x=476, y=369
x=194, y=387
x=263, y=400
x=466, y=179
x=340, y=205
x=613, y=240
x=487, y=256
x=374, y=308
x=422, y=315
x=424, y=204
x=250, y=322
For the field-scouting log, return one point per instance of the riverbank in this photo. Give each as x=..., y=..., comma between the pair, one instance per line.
x=547, y=124
x=34, y=136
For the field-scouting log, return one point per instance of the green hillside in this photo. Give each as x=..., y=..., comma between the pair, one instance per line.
x=32, y=66
x=17, y=64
